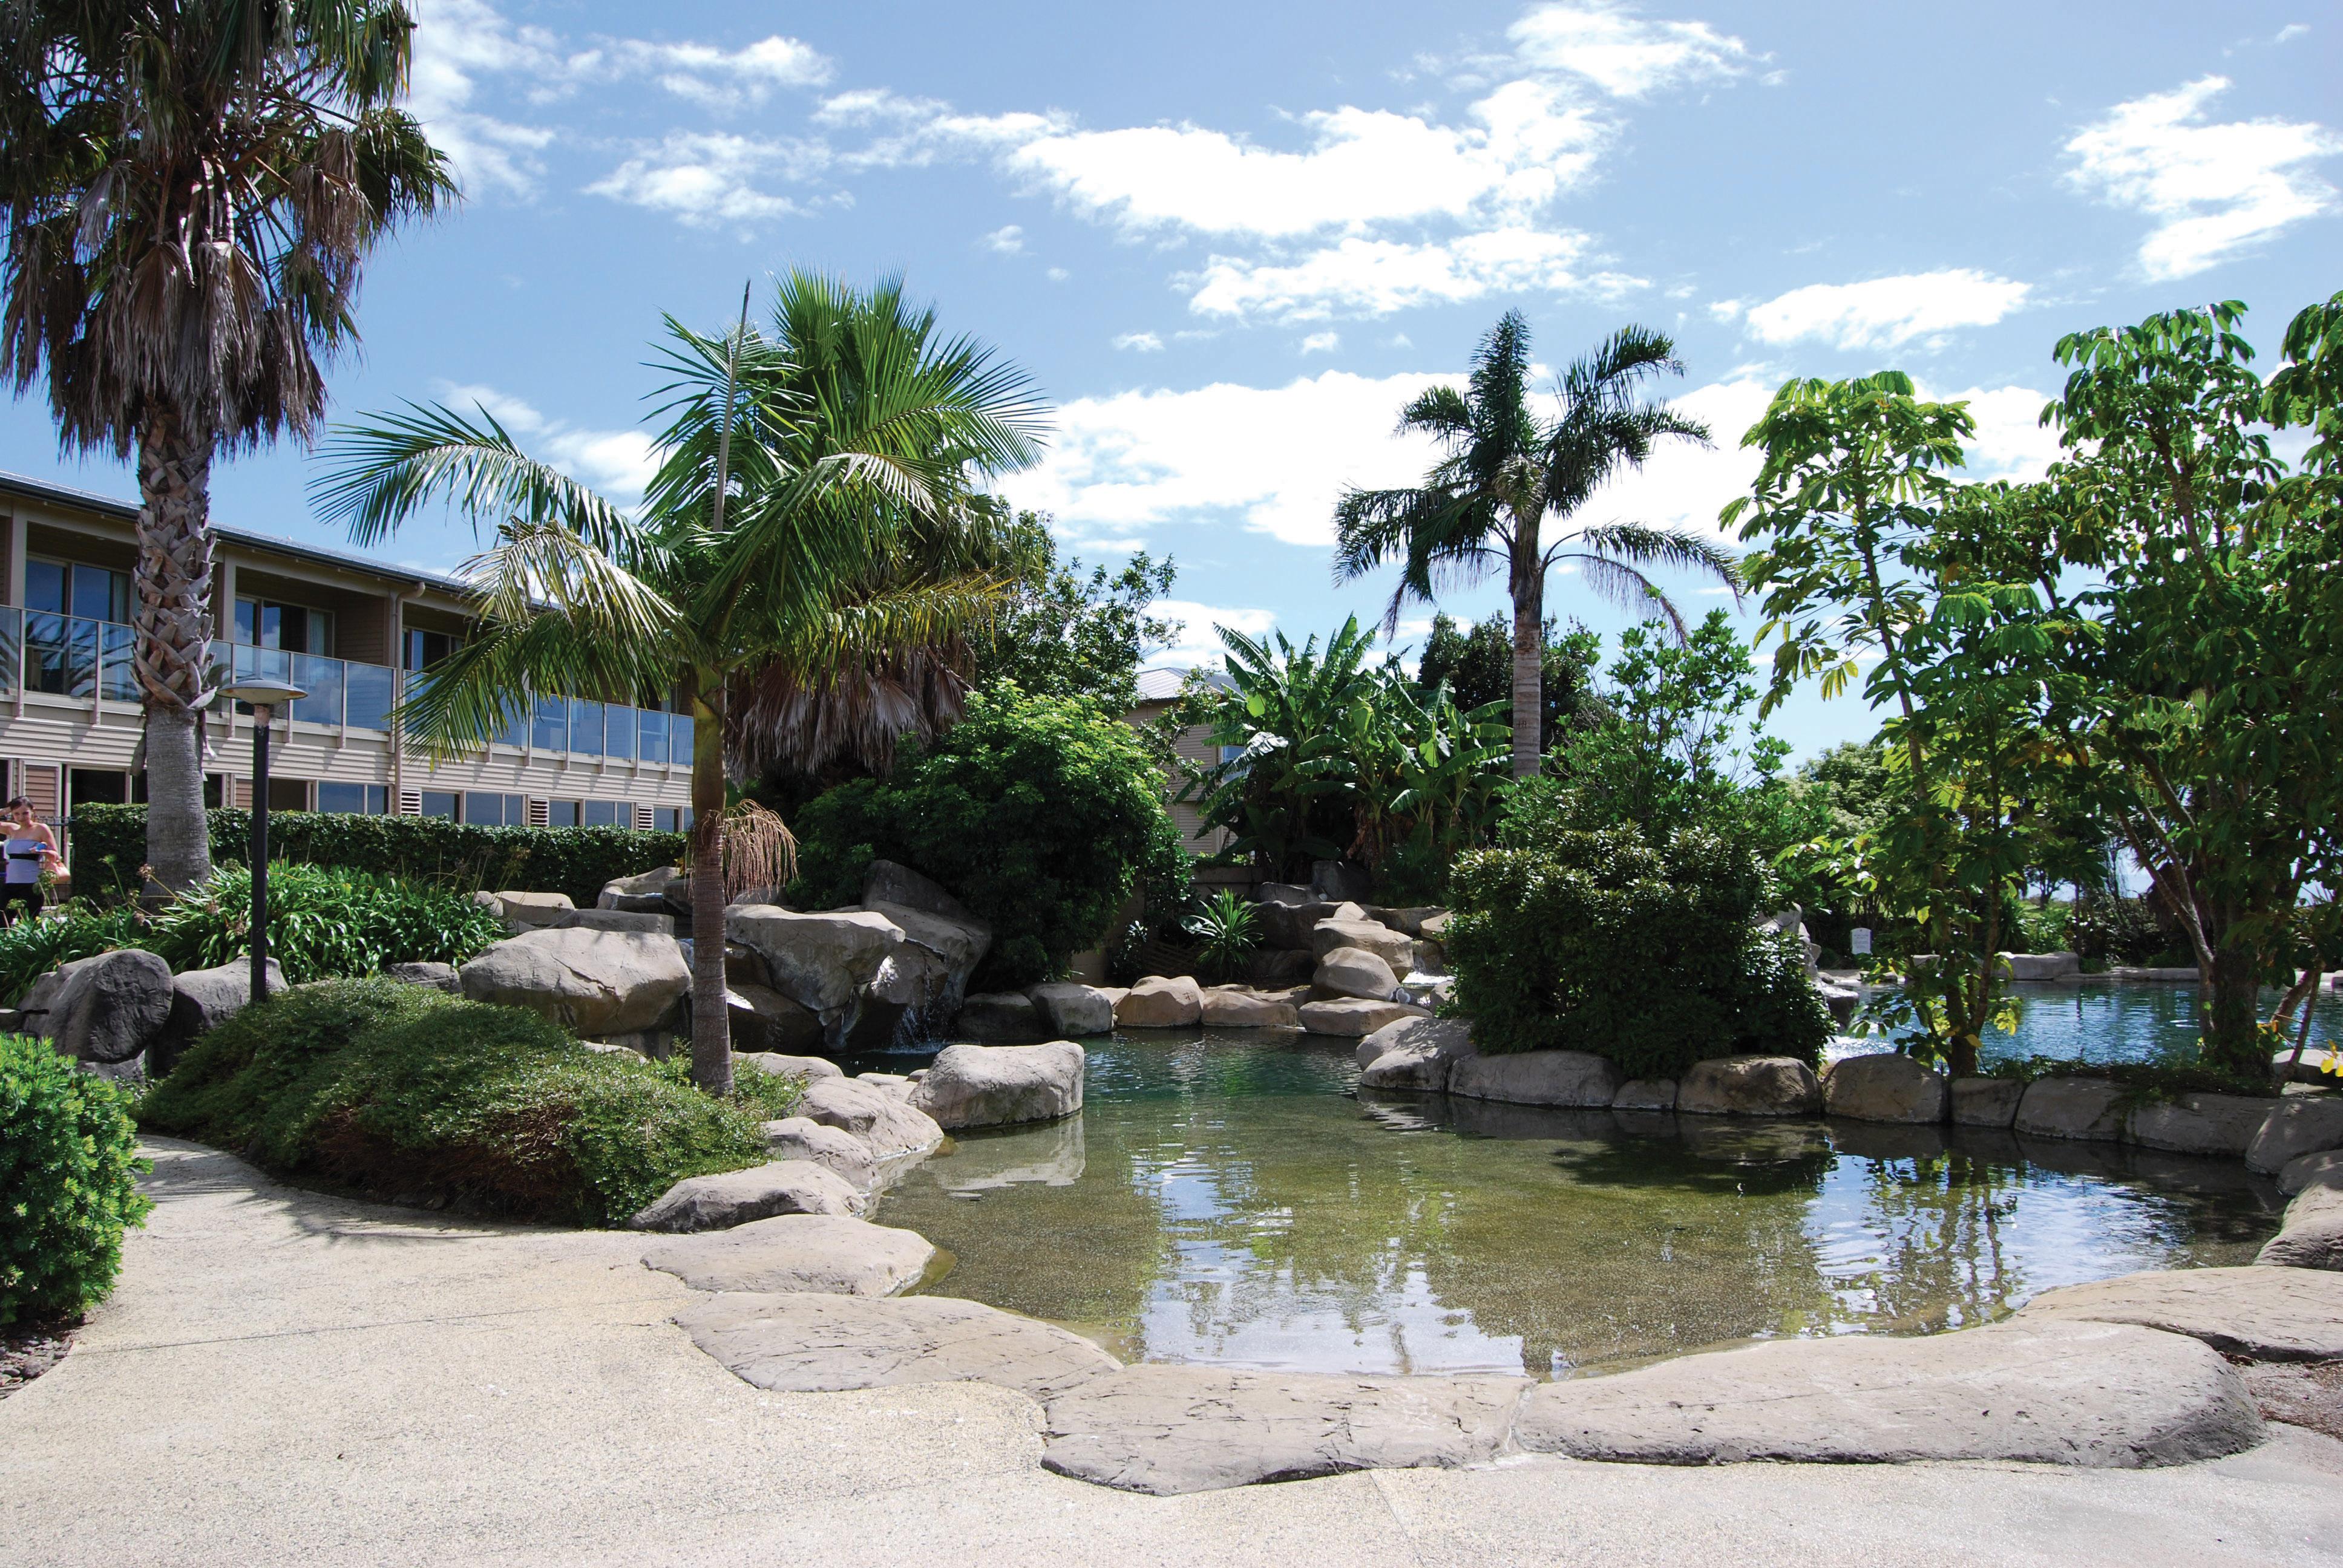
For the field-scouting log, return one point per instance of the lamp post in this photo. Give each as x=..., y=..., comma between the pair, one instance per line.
x=265, y=695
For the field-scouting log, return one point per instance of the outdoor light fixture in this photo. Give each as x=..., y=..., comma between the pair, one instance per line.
x=265, y=695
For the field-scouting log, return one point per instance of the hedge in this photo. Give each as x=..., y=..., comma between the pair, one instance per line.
x=68, y=1182
x=110, y=845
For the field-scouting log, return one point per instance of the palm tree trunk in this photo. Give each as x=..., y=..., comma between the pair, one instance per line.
x=711, y=1021
x=173, y=644
x=1529, y=653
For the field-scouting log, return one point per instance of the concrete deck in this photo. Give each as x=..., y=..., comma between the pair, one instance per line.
x=287, y=1378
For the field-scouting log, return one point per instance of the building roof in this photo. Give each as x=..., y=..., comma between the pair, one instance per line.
x=1161, y=685
x=91, y=501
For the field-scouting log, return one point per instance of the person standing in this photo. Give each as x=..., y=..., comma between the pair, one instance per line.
x=31, y=848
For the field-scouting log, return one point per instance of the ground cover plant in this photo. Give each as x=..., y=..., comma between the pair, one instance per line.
x=68, y=1182
x=401, y=1090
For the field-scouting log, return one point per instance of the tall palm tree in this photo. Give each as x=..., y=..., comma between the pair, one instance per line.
x=1504, y=471
x=191, y=186
x=773, y=510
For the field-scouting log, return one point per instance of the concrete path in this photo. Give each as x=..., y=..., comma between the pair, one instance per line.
x=285, y=1378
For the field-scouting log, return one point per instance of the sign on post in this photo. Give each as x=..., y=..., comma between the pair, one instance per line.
x=1859, y=941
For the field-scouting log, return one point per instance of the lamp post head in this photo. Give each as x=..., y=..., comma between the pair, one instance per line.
x=260, y=691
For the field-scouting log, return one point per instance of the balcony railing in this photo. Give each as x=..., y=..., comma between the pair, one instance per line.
x=72, y=657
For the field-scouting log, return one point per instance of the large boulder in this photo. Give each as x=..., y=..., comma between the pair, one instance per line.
x=2199, y=1124
x=431, y=976
x=1415, y=1053
x=2319, y=1066
x=843, y=1153
x=1161, y=1001
x=662, y=891
x=104, y=1012
x=763, y=1019
x=599, y=920
x=2300, y=1124
x=1002, y=1018
x=891, y=882
x=1352, y=1017
x=782, y=1065
x=2071, y=1107
x=2324, y=1169
x=1537, y=1078
x=829, y=1254
x=823, y=962
x=826, y=1344
x=1394, y=949
x=2096, y=1395
x=1750, y=1086
x=995, y=1085
x=889, y=1127
x=1885, y=1087
x=1286, y=925
x=1233, y=1008
x=2042, y=965
x=2311, y=1237
x=1354, y=971
x=1408, y=921
x=595, y=983
x=731, y=1198
x=203, y=1000
x=1986, y=1102
x=2262, y=1314
x=1071, y=1010
x=922, y=982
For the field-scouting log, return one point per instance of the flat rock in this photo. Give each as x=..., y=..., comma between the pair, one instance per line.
x=2071, y=1107
x=601, y=919
x=1234, y=1008
x=1168, y=1430
x=595, y=983
x=731, y=1198
x=2095, y=1394
x=828, y=1254
x=1986, y=1102
x=1646, y=1094
x=1072, y=1009
x=2301, y=1124
x=2043, y=966
x=2324, y=1169
x=1750, y=1086
x=1885, y=1086
x=803, y=1138
x=1536, y=1078
x=1352, y=1017
x=2319, y=1066
x=1413, y=1053
x=825, y=1343
x=1286, y=927
x=888, y=1127
x=1354, y=971
x=526, y=909
x=1394, y=948
x=1408, y=921
x=2200, y=1123
x=2314, y=1241
x=1161, y=1001
x=435, y=976
x=997, y=1085
x=1002, y=1018
x=780, y=1064
x=2264, y=1314
x=663, y=889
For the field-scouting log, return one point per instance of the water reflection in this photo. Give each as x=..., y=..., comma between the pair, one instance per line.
x=1223, y=1197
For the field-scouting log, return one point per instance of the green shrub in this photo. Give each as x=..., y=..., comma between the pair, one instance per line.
x=68, y=1182
x=1575, y=936
x=398, y=1090
x=31, y=948
x=110, y=845
x=1041, y=814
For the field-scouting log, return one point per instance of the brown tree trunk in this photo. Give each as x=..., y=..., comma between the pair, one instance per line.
x=172, y=656
x=712, y=1021
x=1529, y=654
x=2231, y=1004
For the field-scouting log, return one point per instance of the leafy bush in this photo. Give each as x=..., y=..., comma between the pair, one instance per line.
x=31, y=948
x=399, y=1090
x=110, y=845
x=1574, y=934
x=68, y=1182
x=1226, y=928
x=1040, y=813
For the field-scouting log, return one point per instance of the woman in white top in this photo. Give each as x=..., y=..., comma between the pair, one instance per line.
x=31, y=848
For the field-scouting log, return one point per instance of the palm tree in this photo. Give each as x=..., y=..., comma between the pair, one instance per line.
x=191, y=188
x=773, y=510
x=1504, y=472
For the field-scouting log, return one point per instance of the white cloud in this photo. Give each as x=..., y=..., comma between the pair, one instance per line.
x=705, y=179
x=1623, y=53
x=2011, y=442
x=2290, y=32
x=1378, y=277
x=1726, y=309
x=2216, y=188
x=1322, y=342
x=619, y=463
x=1058, y=274
x=1006, y=240
x=1888, y=312
x=1271, y=459
x=1143, y=342
x=720, y=78
x=1197, y=644
x=456, y=42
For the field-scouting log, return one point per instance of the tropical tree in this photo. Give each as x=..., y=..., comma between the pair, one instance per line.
x=191, y=189
x=1504, y=471
x=791, y=470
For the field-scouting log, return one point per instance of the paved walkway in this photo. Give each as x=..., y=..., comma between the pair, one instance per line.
x=285, y=1378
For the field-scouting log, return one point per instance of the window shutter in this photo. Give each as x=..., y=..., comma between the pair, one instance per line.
x=410, y=802
x=539, y=811
x=642, y=817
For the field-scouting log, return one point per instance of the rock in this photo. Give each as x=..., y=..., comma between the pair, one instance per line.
x=730, y=1198
x=596, y=983
x=526, y=911
x=1286, y=894
x=203, y=1000
x=924, y=979
x=2095, y=1394
x=890, y=882
x=888, y=1127
x=826, y=1344
x=2324, y=1169
x=2042, y=965
x=599, y=920
x=438, y=977
x=1234, y=1008
x=106, y=1010
x=1394, y=949
x=1842, y=999
x=2315, y=1241
x=1354, y=971
x=2312, y=1067
x=1287, y=927
x=1352, y=1016
x=2199, y=1124
x=1007, y=1018
x=1646, y=1094
x=829, y=1254
x=2263, y=1314
x=1885, y=1087
x=764, y=1020
x=1536, y=1078
x=1407, y=921
x=800, y=1138
x=785, y=1066
x=2300, y=1125
x=663, y=889
x=1279, y=966
x=997, y=1085
x=1414, y=1053
x=1339, y=880
x=1750, y=1086
x=1072, y=1009
x=1986, y=1102
x=2071, y=1107
x=823, y=962
x=1168, y=1430
x=1161, y=1001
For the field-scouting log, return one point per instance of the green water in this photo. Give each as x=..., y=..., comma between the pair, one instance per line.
x=1224, y=1197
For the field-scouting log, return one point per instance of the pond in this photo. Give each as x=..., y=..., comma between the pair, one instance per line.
x=1226, y=1197
x=2097, y=1020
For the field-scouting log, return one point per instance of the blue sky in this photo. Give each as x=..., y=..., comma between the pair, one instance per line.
x=1230, y=241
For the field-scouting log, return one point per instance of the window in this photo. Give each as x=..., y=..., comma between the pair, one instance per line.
x=294, y=628
x=585, y=729
x=653, y=732
x=620, y=726
x=561, y=813
x=609, y=814
x=358, y=800
x=551, y=728
x=496, y=811
x=68, y=587
x=438, y=803
x=426, y=648
x=663, y=819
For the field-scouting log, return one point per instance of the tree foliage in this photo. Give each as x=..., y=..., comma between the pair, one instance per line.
x=69, y=1171
x=1476, y=664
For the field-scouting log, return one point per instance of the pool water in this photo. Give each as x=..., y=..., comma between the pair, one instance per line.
x=1230, y=1197
x=2108, y=1022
